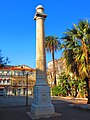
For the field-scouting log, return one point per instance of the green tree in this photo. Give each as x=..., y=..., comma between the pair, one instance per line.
x=3, y=60
x=52, y=45
x=64, y=84
x=77, y=51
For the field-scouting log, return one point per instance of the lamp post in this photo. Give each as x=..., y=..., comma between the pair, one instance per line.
x=26, y=89
x=11, y=81
x=23, y=71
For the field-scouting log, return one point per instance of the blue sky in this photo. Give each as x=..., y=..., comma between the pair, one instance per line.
x=17, y=27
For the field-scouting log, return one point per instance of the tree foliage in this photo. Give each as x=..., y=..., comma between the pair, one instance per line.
x=77, y=48
x=3, y=60
x=76, y=44
x=68, y=86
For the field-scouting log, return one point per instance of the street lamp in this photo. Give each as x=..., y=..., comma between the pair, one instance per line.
x=26, y=89
x=11, y=81
x=23, y=71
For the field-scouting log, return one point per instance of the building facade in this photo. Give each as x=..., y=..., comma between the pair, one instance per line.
x=13, y=79
x=59, y=68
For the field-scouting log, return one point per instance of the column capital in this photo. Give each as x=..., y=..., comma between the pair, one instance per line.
x=40, y=12
x=40, y=15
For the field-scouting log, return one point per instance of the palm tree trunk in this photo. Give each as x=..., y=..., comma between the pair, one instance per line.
x=85, y=50
x=76, y=91
x=88, y=91
x=54, y=71
x=88, y=88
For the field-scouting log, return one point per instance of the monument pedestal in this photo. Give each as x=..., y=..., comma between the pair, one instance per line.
x=42, y=105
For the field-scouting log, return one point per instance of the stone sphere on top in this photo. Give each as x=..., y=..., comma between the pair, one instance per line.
x=39, y=7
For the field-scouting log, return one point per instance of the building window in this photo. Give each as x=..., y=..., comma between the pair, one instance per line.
x=4, y=81
x=8, y=72
x=15, y=73
x=32, y=73
x=5, y=72
x=8, y=81
x=0, y=72
x=19, y=73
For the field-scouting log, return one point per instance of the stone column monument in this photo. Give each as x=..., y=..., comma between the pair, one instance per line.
x=41, y=105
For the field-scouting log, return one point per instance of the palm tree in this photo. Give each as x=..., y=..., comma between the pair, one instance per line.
x=69, y=54
x=77, y=50
x=52, y=45
x=83, y=35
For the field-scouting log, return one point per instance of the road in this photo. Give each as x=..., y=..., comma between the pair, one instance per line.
x=61, y=107
x=14, y=101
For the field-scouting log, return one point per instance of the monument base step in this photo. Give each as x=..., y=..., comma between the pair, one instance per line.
x=42, y=110
x=33, y=117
